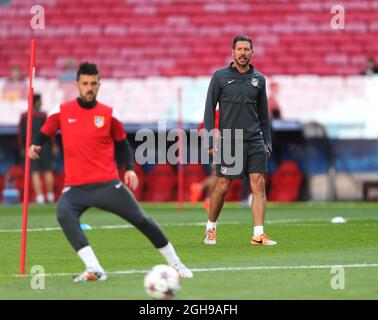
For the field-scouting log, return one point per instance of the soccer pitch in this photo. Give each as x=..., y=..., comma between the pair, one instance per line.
x=304, y=265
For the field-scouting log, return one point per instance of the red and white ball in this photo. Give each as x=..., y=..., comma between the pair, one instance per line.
x=162, y=282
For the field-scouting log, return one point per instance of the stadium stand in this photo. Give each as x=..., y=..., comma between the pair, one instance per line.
x=183, y=37
x=156, y=46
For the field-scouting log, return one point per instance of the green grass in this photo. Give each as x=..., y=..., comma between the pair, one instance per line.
x=303, y=230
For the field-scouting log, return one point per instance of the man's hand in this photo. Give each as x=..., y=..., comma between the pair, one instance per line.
x=131, y=179
x=34, y=151
x=267, y=152
x=213, y=150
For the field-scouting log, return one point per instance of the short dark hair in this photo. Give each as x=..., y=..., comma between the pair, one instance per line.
x=87, y=68
x=241, y=38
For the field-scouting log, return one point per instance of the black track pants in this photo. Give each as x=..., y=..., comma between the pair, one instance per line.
x=110, y=196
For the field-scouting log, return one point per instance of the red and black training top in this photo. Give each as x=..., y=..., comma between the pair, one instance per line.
x=88, y=136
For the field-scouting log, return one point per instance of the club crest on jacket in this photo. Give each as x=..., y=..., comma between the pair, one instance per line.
x=99, y=121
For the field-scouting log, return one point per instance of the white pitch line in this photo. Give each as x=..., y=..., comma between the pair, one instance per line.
x=135, y=271
x=126, y=226
x=193, y=224
x=117, y=226
x=363, y=265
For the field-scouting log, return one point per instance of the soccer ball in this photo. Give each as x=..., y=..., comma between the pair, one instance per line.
x=162, y=282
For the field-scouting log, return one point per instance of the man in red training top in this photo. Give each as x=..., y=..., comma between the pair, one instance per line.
x=91, y=132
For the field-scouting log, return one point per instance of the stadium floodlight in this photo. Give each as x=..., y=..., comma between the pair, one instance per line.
x=27, y=159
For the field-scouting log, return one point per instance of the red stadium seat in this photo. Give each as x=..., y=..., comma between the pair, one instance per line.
x=286, y=183
x=295, y=30
x=15, y=178
x=2, y=182
x=161, y=184
x=193, y=173
x=235, y=191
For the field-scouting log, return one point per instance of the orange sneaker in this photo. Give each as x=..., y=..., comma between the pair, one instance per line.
x=195, y=192
x=206, y=204
x=210, y=236
x=262, y=239
x=90, y=276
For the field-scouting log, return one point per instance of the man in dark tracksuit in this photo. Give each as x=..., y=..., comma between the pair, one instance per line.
x=241, y=92
x=42, y=166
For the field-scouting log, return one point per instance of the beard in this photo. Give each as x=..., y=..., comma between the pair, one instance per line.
x=89, y=96
x=243, y=63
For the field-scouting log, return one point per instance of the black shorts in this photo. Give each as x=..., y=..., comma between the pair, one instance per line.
x=253, y=160
x=45, y=161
